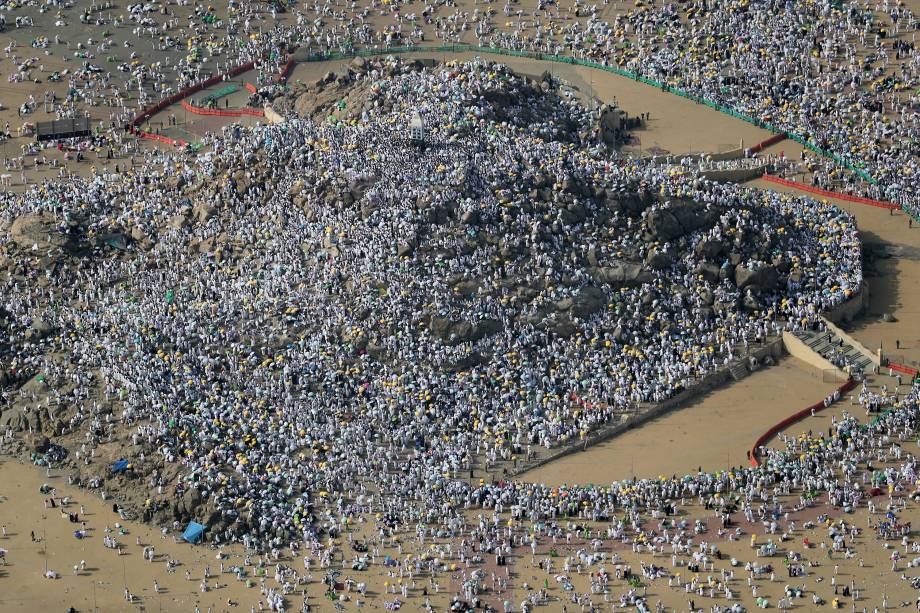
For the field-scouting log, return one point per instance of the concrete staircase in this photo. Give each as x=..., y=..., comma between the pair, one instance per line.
x=833, y=348
x=738, y=370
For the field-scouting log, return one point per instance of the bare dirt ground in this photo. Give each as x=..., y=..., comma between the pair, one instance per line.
x=712, y=433
x=100, y=585
x=893, y=275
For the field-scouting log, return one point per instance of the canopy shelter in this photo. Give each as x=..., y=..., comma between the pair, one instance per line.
x=120, y=466
x=63, y=128
x=193, y=532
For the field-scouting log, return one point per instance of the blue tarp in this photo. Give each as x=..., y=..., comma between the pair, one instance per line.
x=193, y=532
x=120, y=466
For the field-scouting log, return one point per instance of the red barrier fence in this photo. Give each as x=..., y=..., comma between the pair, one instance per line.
x=150, y=111
x=818, y=406
x=197, y=110
x=162, y=139
x=285, y=70
x=250, y=88
x=907, y=370
x=776, y=138
x=828, y=194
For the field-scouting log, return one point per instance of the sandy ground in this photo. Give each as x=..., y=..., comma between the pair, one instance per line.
x=713, y=432
x=894, y=287
x=676, y=125
x=100, y=587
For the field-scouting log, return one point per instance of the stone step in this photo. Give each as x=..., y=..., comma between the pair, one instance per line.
x=738, y=371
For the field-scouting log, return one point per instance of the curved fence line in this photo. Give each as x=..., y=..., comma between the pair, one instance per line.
x=776, y=138
x=152, y=110
x=563, y=59
x=176, y=142
x=197, y=110
x=829, y=194
x=779, y=135
x=795, y=417
x=907, y=370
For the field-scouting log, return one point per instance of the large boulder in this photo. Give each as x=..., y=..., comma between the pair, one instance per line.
x=588, y=301
x=709, y=272
x=623, y=274
x=202, y=212
x=659, y=260
x=709, y=248
x=677, y=219
x=762, y=277
x=486, y=327
x=37, y=230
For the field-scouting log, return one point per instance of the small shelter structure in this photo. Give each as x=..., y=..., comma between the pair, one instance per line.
x=63, y=128
x=193, y=532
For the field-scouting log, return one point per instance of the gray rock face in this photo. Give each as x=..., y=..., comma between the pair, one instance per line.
x=202, y=212
x=623, y=274
x=764, y=277
x=38, y=230
x=587, y=302
x=678, y=219
x=709, y=248
x=659, y=260
x=709, y=272
x=470, y=218
x=454, y=331
x=405, y=248
x=631, y=204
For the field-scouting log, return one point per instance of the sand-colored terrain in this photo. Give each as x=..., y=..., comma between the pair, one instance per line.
x=712, y=432
x=893, y=275
x=100, y=585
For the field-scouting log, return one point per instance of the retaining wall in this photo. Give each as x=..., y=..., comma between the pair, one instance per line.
x=773, y=347
x=798, y=349
x=852, y=308
x=732, y=175
x=872, y=355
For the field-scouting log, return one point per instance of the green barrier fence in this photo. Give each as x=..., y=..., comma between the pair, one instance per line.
x=226, y=91
x=562, y=59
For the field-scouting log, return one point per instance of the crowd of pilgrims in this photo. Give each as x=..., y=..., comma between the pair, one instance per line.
x=276, y=341
x=840, y=75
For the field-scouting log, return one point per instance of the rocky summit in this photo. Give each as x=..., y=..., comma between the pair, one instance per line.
x=321, y=302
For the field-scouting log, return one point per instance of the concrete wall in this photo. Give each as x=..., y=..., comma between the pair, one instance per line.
x=800, y=350
x=731, y=154
x=852, y=308
x=733, y=175
x=773, y=347
x=873, y=355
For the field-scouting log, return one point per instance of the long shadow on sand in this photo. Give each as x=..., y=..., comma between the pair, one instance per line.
x=880, y=258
